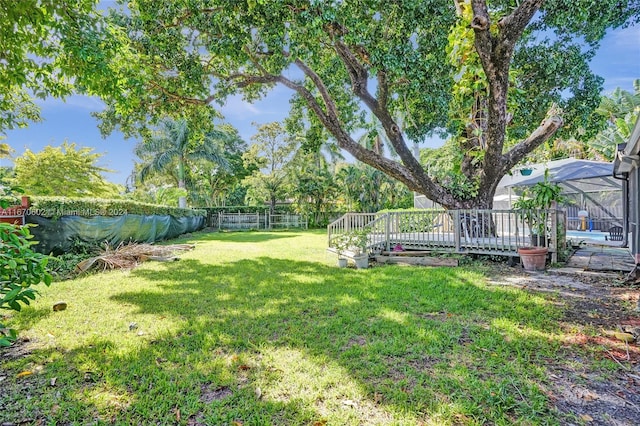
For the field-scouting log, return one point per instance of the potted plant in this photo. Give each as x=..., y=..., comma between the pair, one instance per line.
x=526, y=171
x=533, y=205
x=352, y=244
x=341, y=245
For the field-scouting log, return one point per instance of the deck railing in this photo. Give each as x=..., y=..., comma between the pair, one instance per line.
x=456, y=231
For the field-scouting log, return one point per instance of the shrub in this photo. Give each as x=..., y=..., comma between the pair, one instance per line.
x=63, y=267
x=20, y=268
x=88, y=207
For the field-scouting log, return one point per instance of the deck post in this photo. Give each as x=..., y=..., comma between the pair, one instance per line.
x=456, y=229
x=554, y=233
x=387, y=231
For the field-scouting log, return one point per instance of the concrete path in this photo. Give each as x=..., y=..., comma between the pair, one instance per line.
x=599, y=258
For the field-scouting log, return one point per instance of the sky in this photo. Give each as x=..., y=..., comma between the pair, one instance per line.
x=617, y=61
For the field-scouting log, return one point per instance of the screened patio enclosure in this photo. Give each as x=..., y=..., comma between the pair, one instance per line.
x=593, y=195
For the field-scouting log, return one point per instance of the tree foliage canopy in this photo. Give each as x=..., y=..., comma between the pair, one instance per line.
x=33, y=40
x=501, y=77
x=65, y=171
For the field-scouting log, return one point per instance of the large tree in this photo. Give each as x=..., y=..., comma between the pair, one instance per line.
x=498, y=77
x=271, y=154
x=66, y=170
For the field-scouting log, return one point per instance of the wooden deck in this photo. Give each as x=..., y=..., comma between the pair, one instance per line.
x=492, y=232
x=449, y=241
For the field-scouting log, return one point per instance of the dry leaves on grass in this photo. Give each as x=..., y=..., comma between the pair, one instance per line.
x=126, y=256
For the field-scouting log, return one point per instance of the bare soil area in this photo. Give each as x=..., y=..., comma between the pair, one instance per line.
x=597, y=308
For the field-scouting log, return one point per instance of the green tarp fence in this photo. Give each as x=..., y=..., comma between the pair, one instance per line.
x=57, y=235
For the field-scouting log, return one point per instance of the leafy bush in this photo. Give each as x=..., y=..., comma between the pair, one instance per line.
x=20, y=268
x=9, y=200
x=535, y=200
x=63, y=267
x=354, y=241
x=88, y=207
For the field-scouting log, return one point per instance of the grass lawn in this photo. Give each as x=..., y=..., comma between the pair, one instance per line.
x=262, y=328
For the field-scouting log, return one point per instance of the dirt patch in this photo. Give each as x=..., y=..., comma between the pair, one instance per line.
x=355, y=341
x=20, y=348
x=595, y=307
x=209, y=394
x=589, y=399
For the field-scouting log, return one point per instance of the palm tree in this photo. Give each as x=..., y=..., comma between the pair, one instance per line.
x=620, y=103
x=621, y=110
x=173, y=146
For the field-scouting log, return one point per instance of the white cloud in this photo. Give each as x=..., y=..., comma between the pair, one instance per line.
x=626, y=38
x=236, y=106
x=75, y=101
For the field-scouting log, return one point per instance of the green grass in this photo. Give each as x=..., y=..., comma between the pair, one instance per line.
x=261, y=328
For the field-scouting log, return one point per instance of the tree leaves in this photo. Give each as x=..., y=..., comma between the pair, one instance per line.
x=174, y=146
x=20, y=268
x=31, y=32
x=66, y=170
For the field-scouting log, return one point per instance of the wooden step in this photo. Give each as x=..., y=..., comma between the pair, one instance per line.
x=413, y=253
x=417, y=260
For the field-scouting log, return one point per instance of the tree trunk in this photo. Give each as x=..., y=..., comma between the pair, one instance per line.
x=272, y=204
x=182, y=201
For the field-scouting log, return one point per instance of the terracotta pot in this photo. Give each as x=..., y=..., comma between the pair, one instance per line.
x=533, y=258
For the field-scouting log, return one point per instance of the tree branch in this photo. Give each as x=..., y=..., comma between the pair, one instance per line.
x=358, y=74
x=345, y=141
x=383, y=89
x=242, y=80
x=546, y=129
x=181, y=98
x=410, y=172
x=359, y=79
x=513, y=25
x=332, y=109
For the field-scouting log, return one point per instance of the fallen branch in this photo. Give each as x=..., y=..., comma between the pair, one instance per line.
x=613, y=357
x=127, y=256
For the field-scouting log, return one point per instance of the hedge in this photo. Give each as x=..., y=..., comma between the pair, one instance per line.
x=55, y=207
x=9, y=200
